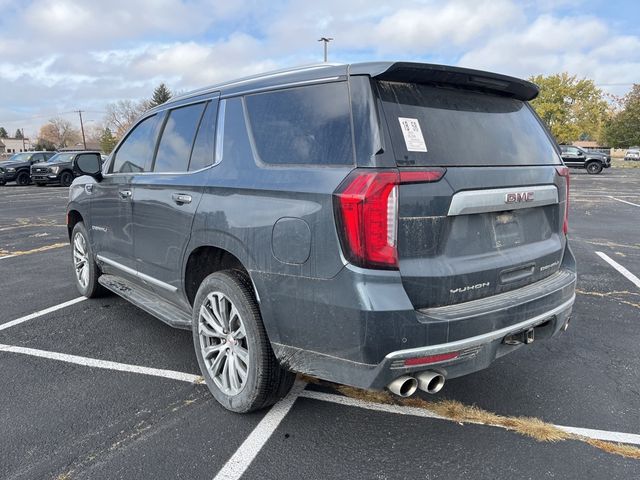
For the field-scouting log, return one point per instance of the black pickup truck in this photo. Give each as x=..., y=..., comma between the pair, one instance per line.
x=16, y=168
x=593, y=162
x=59, y=168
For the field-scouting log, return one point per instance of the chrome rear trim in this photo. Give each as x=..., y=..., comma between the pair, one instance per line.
x=485, y=338
x=495, y=200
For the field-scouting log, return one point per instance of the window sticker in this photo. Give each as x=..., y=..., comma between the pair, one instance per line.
x=412, y=133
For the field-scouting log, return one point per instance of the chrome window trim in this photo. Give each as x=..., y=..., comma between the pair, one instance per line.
x=135, y=273
x=493, y=200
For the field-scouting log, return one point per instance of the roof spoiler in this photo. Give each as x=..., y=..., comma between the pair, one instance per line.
x=460, y=77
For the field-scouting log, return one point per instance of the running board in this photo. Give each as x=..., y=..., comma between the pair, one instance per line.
x=147, y=301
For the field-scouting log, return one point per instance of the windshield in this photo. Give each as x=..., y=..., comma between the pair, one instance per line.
x=442, y=127
x=20, y=157
x=61, y=157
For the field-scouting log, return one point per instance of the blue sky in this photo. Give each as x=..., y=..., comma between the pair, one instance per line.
x=61, y=55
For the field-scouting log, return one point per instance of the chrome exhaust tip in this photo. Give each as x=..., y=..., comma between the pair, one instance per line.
x=404, y=386
x=430, y=382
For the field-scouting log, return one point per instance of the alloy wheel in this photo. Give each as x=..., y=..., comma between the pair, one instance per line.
x=81, y=260
x=223, y=343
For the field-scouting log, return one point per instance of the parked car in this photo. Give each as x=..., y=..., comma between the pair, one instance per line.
x=377, y=225
x=632, y=154
x=59, y=168
x=16, y=168
x=576, y=157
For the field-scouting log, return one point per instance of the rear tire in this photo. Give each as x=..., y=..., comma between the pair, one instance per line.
x=232, y=347
x=66, y=179
x=594, y=168
x=85, y=268
x=23, y=179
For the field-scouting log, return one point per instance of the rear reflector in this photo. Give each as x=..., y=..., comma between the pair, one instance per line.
x=564, y=172
x=366, y=206
x=412, y=362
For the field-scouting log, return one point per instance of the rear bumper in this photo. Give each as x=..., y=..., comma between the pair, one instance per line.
x=359, y=334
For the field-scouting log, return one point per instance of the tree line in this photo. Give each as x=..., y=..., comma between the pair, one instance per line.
x=576, y=109
x=572, y=108
x=60, y=132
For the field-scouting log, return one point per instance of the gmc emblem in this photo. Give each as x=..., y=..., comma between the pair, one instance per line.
x=517, y=197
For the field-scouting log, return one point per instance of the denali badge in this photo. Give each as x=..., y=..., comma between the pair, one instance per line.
x=517, y=197
x=477, y=286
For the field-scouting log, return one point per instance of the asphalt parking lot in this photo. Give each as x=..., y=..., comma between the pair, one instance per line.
x=99, y=389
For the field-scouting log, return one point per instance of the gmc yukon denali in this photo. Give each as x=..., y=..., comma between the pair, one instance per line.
x=380, y=225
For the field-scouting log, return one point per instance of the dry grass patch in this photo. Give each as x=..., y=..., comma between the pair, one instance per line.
x=459, y=412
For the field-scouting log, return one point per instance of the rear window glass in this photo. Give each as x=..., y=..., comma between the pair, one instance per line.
x=304, y=125
x=177, y=139
x=439, y=126
x=202, y=155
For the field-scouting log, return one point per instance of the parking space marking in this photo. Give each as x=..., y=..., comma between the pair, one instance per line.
x=627, y=274
x=35, y=250
x=103, y=364
x=39, y=313
x=242, y=458
x=629, y=438
x=623, y=201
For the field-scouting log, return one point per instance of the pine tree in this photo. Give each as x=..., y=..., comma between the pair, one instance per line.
x=3, y=133
x=107, y=141
x=160, y=95
x=18, y=134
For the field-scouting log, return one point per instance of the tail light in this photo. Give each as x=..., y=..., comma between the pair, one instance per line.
x=366, y=206
x=564, y=172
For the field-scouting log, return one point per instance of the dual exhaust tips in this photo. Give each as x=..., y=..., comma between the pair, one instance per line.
x=405, y=386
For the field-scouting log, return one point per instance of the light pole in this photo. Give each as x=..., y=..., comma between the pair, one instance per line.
x=326, y=41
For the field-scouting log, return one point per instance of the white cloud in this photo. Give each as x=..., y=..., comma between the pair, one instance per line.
x=60, y=55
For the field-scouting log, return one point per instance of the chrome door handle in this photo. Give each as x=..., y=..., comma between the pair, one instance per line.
x=125, y=194
x=181, y=198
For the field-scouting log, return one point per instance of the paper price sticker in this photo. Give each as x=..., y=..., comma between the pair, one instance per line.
x=412, y=134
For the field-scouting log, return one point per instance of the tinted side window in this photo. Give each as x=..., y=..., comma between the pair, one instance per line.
x=177, y=139
x=202, y=154
x=305, y=125
x=138, y=147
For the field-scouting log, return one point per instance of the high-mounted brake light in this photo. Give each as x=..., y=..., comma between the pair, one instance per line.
x=564, y=172
x=366, y=207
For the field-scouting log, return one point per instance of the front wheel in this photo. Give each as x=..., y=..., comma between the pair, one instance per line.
x=232, y=346
x=594, y=168
x=66, y=178
x=84, y=266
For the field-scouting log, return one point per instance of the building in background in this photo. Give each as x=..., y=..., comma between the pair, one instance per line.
x=14, y=145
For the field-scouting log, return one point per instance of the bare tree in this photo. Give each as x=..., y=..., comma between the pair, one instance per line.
x=60, y=132
x=121, y=115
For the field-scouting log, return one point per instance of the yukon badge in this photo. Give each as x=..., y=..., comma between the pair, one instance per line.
x=518, y=197
x=466, y=288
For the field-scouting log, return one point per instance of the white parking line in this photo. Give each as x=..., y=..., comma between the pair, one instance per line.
x=39, y=313
x=242, y=458
x=104, y=364
x=7, y=256
x=630, y=276
x=623, y=201
x=630, y=438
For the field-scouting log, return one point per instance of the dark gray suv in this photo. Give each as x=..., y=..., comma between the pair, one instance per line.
x=377, y=225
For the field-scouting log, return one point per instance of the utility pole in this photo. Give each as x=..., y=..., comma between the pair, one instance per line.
x=24, y=148
x=84, y=142
x=326, y=41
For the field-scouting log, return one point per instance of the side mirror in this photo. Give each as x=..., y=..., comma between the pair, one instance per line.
x=88, y=165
